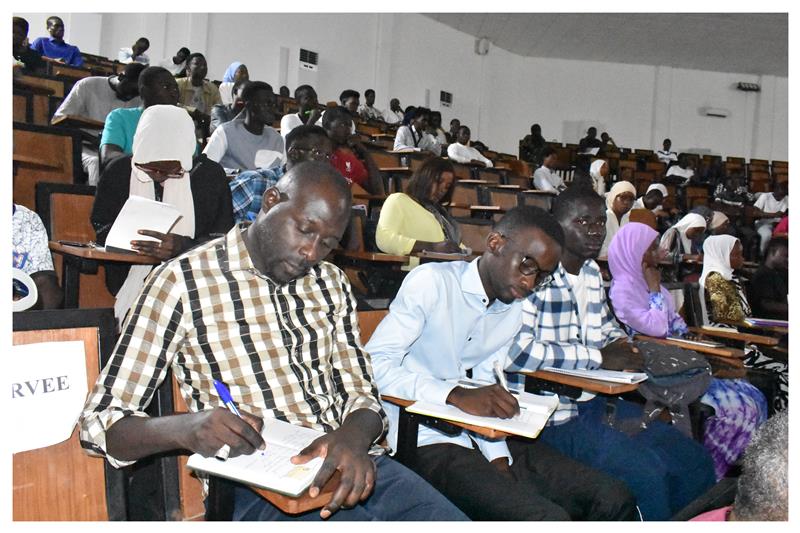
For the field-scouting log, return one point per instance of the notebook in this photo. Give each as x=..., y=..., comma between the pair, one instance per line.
x=613, y=376
x=140, y=213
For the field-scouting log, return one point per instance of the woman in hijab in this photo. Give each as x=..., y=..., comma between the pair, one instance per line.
x=725, y=301
x=236, y=71
x=415, y=220
x=618, y=202
x=598, y=172
x=720, y=224
x=678, y=239
x=163, y=146
x=644, y=306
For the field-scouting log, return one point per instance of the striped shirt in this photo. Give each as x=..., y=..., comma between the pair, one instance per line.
x=290, y=351
x=555, y=334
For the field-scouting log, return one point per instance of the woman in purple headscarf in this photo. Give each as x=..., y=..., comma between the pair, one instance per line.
x=643, y=306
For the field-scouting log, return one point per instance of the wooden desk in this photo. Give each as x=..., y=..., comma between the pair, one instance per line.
x=709, y=350
x=573, y=385
x=394, y=169
x=426, y=256
x=75, y=121
x=75, y=256
x=377, y=257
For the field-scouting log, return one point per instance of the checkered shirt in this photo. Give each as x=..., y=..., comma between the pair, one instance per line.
x=247, y=190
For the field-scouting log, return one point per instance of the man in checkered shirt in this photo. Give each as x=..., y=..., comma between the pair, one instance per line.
x=260, y=311
x=567, y=324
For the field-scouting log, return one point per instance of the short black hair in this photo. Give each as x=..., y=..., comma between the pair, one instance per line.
x=132, y=71
x=253, y=87
x=577, y=192
x=21, y=22
x=193, y=55
x=347, y=94
x=529, y=216
x=335, y=113
x=303, y=132
x=775, y=243
x=54, y=18
x=420, y=112
x=149, y=75
x=143, y=40
x=547, y=151
x=464, y=127
x=303, y=89
x=185, y=51
x=369, y=91
x=314, y=174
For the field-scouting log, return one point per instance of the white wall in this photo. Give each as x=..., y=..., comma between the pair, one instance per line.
x=498, y=95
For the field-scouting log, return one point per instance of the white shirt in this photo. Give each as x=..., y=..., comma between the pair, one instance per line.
x=666, y=157
x=767, y=203
x=126, y=56
x=464, y=154
x=579, y=290
x=225, y=92
x=233, y=147
x=394, y=117
x=370, y=112
x=30, y=252
x=171, y=66
x=544, y=179
x=676, y=170
x=93, y=98
x=405, y=140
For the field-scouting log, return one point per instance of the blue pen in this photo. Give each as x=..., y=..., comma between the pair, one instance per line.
x=225, y=395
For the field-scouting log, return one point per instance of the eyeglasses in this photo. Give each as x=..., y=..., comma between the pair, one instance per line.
x=153, y=170
x=529, y=267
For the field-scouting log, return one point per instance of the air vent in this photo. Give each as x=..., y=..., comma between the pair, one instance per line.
x=445, y=98
x=307, y=56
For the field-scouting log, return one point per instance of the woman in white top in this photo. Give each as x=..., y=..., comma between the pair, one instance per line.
x=414, y=136
x=236, y=71
x=678, y=238
x=618, y=202
x=544, y=179
x=461, y=152
x=598, y=171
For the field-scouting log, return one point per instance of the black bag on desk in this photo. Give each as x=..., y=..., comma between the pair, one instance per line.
x=676, y=378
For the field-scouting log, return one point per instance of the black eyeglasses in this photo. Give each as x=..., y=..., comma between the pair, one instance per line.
x=529, y=267
x=316, y=153
x=168, y=175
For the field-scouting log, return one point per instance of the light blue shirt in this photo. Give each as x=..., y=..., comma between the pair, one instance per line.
x=438, y=327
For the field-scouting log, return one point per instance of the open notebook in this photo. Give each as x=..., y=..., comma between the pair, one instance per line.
x=140, y=213
x=271, y=468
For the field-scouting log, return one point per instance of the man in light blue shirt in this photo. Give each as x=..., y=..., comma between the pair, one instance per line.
x=455, y=319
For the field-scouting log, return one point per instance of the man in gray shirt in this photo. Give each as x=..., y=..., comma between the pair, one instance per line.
x=248, y=142
x=94, y=98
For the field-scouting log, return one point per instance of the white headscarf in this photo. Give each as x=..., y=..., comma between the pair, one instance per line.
x=659, y=187
x=689, y=221
x=612, y=224
x=617, y=189
x=718, y=219
x=164, y=133
x=717, y=256
x=597, y=180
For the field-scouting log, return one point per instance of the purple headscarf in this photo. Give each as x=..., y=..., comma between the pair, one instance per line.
x=629, y=293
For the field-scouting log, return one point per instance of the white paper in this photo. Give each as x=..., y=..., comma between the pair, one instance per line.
x=270, y=468
x=48, y=390
x=613, y=376
x=140, y=213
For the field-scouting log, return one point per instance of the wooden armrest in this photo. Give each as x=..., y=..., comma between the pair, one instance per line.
x=372, y=256
x=100, y=254
x=304, y=502
x=737, y=336
x=720, y=352
x=591, y=385
x=394, y=169
x=486, y=432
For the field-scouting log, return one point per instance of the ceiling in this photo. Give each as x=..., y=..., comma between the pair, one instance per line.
x=747, y=43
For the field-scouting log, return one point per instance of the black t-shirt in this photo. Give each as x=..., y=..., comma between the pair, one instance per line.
x=768, y=285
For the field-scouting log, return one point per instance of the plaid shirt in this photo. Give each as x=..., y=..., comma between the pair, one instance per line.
x=247, y=190
x=290, y=352
x=553, y=334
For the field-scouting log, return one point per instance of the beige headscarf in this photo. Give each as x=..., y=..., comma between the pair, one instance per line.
x=718, y=219
x=617, y=189
x=164, y=133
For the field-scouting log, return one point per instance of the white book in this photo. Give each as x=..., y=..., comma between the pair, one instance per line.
x=534, y=412
x=270, y=468
x=708, y=344
x=613, y=376
x=140, y=213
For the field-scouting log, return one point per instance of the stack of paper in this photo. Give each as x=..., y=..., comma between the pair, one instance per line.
x=271, y=468
x=140, y=213
x=613, y=376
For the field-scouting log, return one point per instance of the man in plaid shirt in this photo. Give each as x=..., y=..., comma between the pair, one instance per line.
x=567, y=324
x=259, y=310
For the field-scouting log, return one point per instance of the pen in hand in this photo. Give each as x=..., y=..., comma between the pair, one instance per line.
x=225, y=396
x=500, y=376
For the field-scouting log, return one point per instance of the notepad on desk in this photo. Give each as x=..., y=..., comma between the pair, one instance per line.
x=766, y=322
x=270, y=468
x=600, y=374
x=140, y=213
x=534, y=412
x=707, y=344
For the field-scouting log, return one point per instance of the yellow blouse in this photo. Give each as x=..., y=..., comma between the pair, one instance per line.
x=403, y=222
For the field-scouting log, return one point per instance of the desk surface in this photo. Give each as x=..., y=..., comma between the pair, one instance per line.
x=591, y=385
x=75, y=121
x=372, y=256
x=100, y=254
x=720, y=351
x=480, y=430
